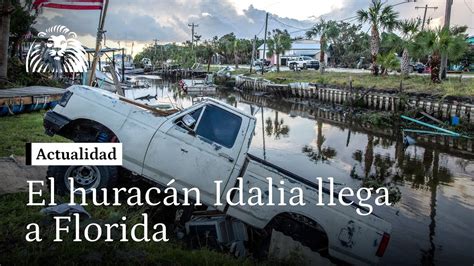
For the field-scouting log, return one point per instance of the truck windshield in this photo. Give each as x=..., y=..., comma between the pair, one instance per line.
x=219, y=126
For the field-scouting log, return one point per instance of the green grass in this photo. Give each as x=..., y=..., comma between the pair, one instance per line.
x=14, y=249
x=19, y=129
x=413, y=84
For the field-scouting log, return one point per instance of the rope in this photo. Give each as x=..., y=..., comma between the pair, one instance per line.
x=9, y=110
x=36, y=104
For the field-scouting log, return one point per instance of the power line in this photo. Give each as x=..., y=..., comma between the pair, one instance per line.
x=285, y=24
x=470, y=9
x=260, y=31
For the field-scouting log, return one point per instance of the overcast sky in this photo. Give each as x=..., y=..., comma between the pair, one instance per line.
x=141, y=21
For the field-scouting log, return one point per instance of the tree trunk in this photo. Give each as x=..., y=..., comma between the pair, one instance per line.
x=435, y=65
x=5, y=12
x=405, y=62
x=374, y=49
x=236, y=61
x=209, y=63
x=369, y=155
x=14, y=48
x=322, y=62
x=278, y=62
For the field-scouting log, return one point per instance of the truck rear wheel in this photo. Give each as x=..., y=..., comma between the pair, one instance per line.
x=303, y=230
x=86, y=177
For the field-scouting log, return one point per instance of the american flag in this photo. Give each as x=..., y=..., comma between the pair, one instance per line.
x=69, y=4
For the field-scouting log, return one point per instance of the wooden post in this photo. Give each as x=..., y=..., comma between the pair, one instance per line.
x=100, y=31
x=117, y=85
x=264, y=44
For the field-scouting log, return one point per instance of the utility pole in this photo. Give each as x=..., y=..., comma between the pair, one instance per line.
x=192, y=25
x=447, y=19
x=253, y=52
x=426, y=7
x=153, y=61
x=154, y=52
x=265, y=43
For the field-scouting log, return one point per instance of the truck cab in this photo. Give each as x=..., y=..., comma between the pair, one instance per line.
x=204, y=143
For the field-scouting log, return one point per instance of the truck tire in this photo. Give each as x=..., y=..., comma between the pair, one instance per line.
x=304, y=66
x=87, y=177
x=305, y=232
x=292, y=66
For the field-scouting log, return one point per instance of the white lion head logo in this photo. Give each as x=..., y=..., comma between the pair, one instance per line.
x=60, y=53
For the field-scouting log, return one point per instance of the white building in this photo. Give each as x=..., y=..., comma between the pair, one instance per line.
x=309, y=48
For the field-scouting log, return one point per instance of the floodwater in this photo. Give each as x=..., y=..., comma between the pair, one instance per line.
x=433, y=220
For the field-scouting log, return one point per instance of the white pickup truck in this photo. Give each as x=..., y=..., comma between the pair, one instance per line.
x=206, y=142
x=303, y=62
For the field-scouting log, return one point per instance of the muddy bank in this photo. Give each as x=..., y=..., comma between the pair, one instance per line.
x=15, y=173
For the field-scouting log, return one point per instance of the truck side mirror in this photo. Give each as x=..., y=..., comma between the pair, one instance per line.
x=188, y=120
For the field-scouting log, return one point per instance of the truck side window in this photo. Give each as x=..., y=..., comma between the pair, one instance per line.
x=219, y=126
x=195, y=114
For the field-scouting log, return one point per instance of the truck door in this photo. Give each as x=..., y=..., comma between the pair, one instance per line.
x=196, y=155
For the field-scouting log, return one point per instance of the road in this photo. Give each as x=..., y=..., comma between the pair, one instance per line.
x=356, y=71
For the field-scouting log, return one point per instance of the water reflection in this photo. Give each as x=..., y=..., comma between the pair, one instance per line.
x=323, y=154
x=276, y=127
x=432, y=185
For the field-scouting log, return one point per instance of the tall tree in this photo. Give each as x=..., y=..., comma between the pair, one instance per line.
x=409, y=29
x=225, y=47
x=277, y=43
x=439, y=42
x=380, y=16
x=237, y=47
x=327, y=30
x=208, y=53
x=349, y=46
x=6, y=9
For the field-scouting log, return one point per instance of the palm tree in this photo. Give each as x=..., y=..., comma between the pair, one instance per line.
x=441, y=42
x=409, y=28
x=208, y=53
x=276, y=127
x=380, y=16
x=387, y=62
x=278, y=42
x=327, y=30
x=236, y=49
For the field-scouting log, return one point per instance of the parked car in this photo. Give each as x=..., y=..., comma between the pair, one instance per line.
x=413, y=67
x=197, y=146
x=260, y=62
x=363, y=63
x=418, y=67
x=303, y=62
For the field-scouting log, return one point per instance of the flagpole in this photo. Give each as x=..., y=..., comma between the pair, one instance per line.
x=100, y=31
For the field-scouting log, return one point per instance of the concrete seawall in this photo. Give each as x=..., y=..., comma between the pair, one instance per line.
x=372, y=100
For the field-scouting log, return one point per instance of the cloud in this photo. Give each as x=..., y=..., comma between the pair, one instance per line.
x=167, y=20
x=144, y=20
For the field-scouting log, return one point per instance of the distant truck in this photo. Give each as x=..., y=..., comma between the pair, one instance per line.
x=303, y=62
x=196, y=146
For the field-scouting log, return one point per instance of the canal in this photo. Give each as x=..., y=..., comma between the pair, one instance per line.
x=433, y=187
